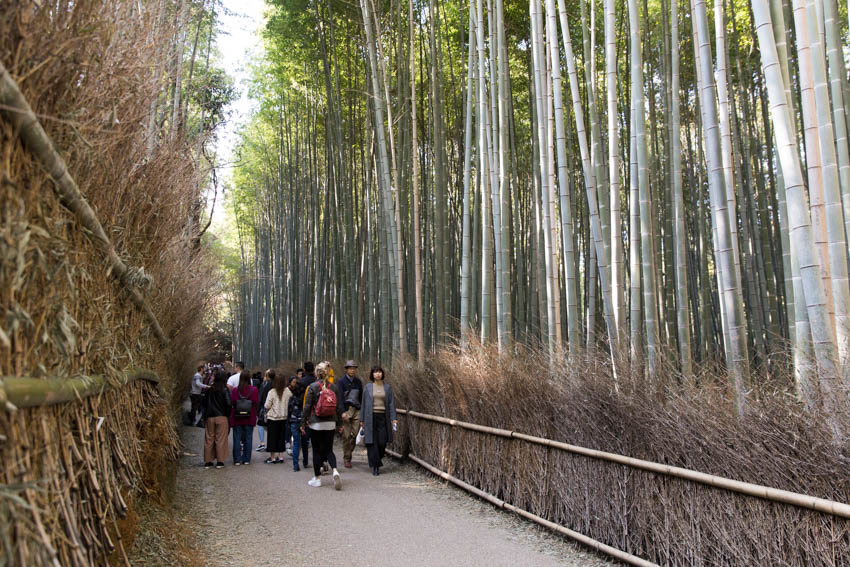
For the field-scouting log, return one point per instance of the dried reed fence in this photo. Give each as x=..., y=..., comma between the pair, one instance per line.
x=658, y=517
x=87, y=457
x=90, y=70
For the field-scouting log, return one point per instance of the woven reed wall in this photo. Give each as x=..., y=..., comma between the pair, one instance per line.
x=88, y=69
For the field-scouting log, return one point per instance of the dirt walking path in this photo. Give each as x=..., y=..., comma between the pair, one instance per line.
x=267, y=515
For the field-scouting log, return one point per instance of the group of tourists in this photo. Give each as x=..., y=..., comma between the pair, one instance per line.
x=291, y=412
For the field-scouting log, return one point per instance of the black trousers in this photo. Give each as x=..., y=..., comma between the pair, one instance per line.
x=196, y=400
x=277, y=437
x=380, y=434
x=323, y=444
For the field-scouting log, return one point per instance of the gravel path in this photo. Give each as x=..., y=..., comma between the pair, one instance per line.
x=267, y=515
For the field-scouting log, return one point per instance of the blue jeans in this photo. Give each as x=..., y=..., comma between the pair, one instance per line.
x=261, y=429
x=242, y=437
x=297, y=444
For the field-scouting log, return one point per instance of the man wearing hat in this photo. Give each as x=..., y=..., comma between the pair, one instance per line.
x=351, y=389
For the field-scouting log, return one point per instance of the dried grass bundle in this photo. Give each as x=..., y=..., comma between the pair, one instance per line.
x=92, y=71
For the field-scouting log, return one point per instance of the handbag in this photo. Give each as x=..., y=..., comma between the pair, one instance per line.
x=360, y=436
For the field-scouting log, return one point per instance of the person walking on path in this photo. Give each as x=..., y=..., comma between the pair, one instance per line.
x=243, y=418
x=323, y=416
x=265, y=387
x=376, y=413
x=351, y=389
x=307, y=378
x=196, y=396
x=216, y=407
x=294, y=411
x=238, y=368
x=276, y=406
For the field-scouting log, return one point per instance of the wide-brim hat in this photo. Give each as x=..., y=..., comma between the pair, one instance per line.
x=350, y=364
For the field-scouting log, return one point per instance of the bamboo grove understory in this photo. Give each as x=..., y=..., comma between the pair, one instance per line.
x=666, y=184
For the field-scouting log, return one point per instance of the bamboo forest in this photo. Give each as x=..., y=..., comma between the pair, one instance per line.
x=561, y=282
x=660, y=184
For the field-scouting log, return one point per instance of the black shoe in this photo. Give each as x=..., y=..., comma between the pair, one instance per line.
x=219, y=465
x=375, y=471
x=208, y=465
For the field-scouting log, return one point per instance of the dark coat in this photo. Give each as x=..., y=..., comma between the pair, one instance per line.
x=264, y=393
x=301, y=386
x=366, y=412
x=346, y=385
x=216, y=404
x=294, y=408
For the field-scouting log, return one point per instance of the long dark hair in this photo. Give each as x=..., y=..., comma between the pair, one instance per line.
x=376, y=369
x=280, y=383
x=219, y=381
x=244, y=382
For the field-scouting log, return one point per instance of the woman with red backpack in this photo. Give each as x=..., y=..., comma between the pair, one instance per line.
x=322, y=414
x=243, y=418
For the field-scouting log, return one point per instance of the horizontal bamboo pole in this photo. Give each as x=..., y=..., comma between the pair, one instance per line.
x=17, y=110
x=499, y=503
x=764, y=492
x=34, y=392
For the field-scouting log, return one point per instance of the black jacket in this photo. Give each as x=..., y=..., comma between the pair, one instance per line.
x=294, y=408
x=265, y=388
x=346, y=385
x=216, y=404
x=302, y=384
x=264, y=392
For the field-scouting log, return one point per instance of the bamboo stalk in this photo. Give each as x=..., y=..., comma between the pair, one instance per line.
x=17, y=110
x=823, y=505
x=34, y=392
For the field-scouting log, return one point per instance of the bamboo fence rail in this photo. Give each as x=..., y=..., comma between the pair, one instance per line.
x=499, y=503
x=67, y=506
x=18, y=393
x=764, y=492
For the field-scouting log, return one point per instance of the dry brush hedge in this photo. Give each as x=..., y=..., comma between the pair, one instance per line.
x=88, y=69
x=72, y=471
x=665, y=520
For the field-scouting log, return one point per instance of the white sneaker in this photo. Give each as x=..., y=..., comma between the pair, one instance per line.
x=337, y=480
x=315, y=482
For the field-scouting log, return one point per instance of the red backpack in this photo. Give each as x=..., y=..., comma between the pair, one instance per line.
x=326, y=404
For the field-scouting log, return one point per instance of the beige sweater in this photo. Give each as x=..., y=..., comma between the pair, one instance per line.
x=379, y=395
x=277, y=408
